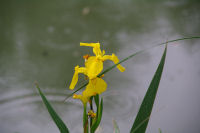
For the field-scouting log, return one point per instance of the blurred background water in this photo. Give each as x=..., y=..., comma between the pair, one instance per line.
x=39, y=41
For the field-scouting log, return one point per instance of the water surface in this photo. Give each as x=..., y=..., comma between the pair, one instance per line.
x=40, y=42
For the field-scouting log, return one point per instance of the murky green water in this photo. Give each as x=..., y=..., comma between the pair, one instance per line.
x=39, y=41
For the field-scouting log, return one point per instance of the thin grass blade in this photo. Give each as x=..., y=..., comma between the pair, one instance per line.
x=142, y=118
x=76, y=91
x=58, y=121
x=116, y=127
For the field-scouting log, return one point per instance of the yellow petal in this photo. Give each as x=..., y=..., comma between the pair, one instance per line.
x=96, y=47
x=103, y=52
x=74, y=79
x=94, y=66
x=100, y=85
x=88, y=92
x=82, y=98
x=75, y=76
x=115, y=59
x=90, y=44
x=95, y=86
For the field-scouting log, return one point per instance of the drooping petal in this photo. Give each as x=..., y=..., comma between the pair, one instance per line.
x=115, y=59
x=95, y=86
x=100, y=85
x=88, y=92
x=75, y=76
x=103, y=52
x=74, y=79
x=81, y=97
x=94, y=66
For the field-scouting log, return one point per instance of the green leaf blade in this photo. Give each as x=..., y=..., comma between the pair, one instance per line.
x=116, y=127
x=142, y=118
x=85, y=119
x=58, y=121
x=96, y=99
x=99, y=116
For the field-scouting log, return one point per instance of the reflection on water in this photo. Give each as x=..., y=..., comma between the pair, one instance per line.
x=40, y=42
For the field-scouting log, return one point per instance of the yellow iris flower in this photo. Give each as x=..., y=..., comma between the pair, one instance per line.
x=93, y=66
x=95, y=86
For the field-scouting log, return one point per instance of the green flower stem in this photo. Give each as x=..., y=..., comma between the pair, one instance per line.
x=85, y=119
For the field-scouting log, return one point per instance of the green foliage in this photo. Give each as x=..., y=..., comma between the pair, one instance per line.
x=116, y=127
x=58, y=121
x=99, y=116
x=144, y=113
x=96, y=99
x=85, y=119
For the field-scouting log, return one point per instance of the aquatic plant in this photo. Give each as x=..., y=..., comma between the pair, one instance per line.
x=93, y=70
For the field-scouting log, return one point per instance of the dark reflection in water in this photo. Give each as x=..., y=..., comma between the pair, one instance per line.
x=39, y=41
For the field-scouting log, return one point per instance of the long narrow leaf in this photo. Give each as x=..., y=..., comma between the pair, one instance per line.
x=116, y=127
x=99, y=116
x=96, y=99
x=130, y=56
x=142, y=118
x=58, y=121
